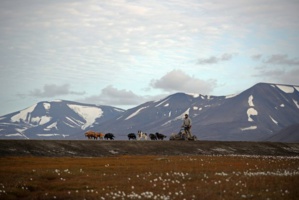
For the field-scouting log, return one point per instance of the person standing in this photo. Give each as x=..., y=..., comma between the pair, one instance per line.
x=187, y=124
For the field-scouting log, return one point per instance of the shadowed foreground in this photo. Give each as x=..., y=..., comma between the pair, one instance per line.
x=96, y=148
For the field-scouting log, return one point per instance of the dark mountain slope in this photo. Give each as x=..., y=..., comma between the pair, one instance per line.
x=288, y=134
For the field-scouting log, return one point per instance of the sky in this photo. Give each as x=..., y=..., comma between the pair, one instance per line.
x=124, y=53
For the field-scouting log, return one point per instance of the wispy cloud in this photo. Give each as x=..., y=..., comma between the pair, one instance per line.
x=277, y=68
x=215, y=59
x=113, y=96
x=174, y=81
x=278, y=74
x=53, y=90
x=282, y=59
x=257, y=57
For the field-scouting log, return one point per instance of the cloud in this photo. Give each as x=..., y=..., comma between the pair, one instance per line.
x=281, y=59
x=177, y=80
x=214, y=59
x=278, y=75
x=276, y=59
x=278, y=68
x=53, y=90
x=113, y=96
x=174, y=81
x=257, y=57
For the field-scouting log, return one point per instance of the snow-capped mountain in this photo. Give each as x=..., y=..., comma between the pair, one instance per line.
x=253, y=115
x=54, y=120
x=258, y=112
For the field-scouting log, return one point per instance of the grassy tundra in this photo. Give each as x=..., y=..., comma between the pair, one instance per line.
x=150, y=177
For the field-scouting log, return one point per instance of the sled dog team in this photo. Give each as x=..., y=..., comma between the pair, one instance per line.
x=184, y=134
x=131, y=136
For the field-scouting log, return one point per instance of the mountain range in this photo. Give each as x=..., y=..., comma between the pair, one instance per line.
x=264, y=112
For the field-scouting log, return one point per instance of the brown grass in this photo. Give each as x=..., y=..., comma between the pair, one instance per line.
x=152, y=177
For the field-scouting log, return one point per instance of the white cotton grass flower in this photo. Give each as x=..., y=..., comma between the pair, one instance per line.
x=221, y=174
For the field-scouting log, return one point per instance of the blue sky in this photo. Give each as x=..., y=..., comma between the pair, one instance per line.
x=124, y=53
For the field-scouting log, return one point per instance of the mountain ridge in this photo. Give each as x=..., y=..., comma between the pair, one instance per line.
x=252, y=115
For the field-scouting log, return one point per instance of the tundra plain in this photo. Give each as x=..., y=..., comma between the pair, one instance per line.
x=161, y=170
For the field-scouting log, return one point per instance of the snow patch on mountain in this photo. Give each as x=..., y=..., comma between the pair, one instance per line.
x=57, y=100
x=230, y=96
x=193, y=95
x=47, y=106
x=249, y=128
x=296, y=103
x=161, y=102
x=40, y=120
x=186, y=112
x=179, y=117
x=286, y=89
x=54, y=125
x=119, y=110
x=21, y=130
x=90, y=114
x=14, y=135
x=251, y=112
x=22, y=115
x=20, y=133
x=74, y=121
x=250, y=101
x=273, y=120
x=48, y=134
x=197, y=108
x=135, y=113
x=69, y=125
x=63, y=135
x=166, y=105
